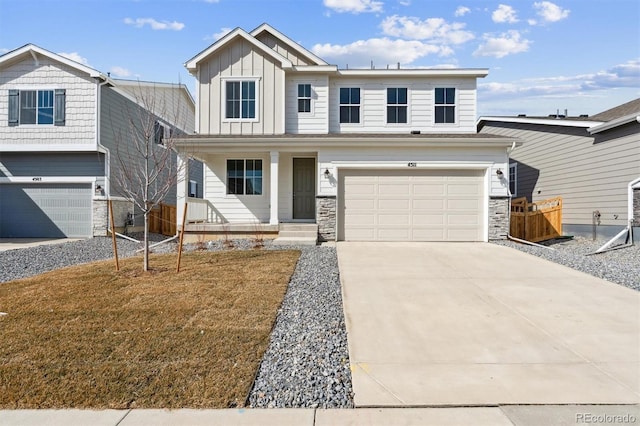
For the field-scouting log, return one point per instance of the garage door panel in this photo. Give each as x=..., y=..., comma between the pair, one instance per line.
x=396, y=190
x=393, y=219
x=463, y=204
x=428, y=189
x=427, y=219
x=412, y=205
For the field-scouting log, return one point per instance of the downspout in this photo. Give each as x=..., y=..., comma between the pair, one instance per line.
x=630, y=219
x=509, y=236
x=107, y=165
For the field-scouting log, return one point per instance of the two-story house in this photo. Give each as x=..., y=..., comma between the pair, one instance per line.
x=64, y=129
x=366, y=154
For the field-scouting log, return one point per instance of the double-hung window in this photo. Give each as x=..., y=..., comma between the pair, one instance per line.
x=349, y=105
x=244, y=177
x=304, y=97
x=240, y=99
x=396, y=105
x=39, y=107
x=445, y=105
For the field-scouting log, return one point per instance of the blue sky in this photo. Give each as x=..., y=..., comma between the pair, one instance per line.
x=579, y=55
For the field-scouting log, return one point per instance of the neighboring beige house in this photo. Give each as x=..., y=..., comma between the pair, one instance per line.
x=588, y=161
x=60, y=126
x=365, y=154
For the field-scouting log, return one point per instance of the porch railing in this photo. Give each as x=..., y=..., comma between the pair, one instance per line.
x=202, y=211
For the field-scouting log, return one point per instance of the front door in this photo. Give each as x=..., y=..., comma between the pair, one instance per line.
x=304, y=188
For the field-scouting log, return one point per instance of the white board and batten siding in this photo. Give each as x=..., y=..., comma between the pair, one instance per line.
x=79, y=131
x=282, y=48
x=373, y=107
x=588, y=173
x=241, y=60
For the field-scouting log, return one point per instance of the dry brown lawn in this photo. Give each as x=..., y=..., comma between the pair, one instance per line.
x=90, y=337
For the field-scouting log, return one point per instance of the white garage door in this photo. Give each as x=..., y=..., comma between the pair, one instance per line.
x=411, y=205
x=45, y=210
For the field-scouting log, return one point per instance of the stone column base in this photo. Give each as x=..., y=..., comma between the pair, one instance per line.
x=499, y=217
x=326, y=217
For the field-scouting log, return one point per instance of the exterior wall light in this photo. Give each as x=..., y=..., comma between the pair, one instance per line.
x=327, y=173
x=499, y=173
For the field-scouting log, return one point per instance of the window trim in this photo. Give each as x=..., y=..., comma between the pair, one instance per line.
x=310, y=98
x=193, y=189
x=244, y=177
x=360, y=121
x=223, y=99
x=454, y=105
x=405, y=105
x=514, y=167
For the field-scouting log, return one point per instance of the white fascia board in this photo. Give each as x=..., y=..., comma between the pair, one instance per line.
x=192, y=64
x=541, y=121
x=34, y=50
x=202, y=145
x=299, y=48
x=48, y=148
x=47, y=179
x=614, y=123
x=315, y=68
x=424, y=72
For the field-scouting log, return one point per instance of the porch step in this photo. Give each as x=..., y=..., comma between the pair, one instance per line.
x=297, y=234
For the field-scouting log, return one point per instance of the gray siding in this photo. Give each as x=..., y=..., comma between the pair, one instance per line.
x=116, y=135
x=51, y=164
x=590, y=172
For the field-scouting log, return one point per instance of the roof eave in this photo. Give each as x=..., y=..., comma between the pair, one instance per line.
x=614, y=123
x=539, y=121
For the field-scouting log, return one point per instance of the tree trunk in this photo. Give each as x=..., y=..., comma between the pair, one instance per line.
x=146, y=240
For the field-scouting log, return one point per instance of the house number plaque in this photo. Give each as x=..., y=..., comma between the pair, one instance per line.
x=37, y=179
x=412, y=164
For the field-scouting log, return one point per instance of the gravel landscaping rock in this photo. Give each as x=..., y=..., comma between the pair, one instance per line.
x=620, y=266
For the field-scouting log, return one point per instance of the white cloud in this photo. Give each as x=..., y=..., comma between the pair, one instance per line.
x=504, y=14
x=3, y=50
x=217, y=36
x=382, y=51
x=462, y=10
x=354, y=6
x=405, y=2
x=212, y=1
x=155, y=25
x=432, y=29
x=75, y=56
x=120, y=72
x=505, y=44
x=549, y=12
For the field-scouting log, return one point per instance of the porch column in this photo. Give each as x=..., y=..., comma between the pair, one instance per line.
x=273, y=212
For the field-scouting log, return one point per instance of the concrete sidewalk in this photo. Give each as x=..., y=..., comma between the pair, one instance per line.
x=477, y=324
x=444, y=416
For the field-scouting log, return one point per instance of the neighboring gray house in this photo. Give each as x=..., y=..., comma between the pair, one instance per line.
x=61, y=125
x=357, y=154
x=588, y=161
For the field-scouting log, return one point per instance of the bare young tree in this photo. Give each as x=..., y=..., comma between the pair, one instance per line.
x=147, y=166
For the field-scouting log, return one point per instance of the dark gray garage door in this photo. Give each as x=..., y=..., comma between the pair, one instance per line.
x=45, y=210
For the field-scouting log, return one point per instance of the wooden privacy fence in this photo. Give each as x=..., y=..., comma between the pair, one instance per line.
x=162, y=220
x=536, y=221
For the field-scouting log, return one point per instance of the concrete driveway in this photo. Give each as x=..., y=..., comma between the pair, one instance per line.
x=433, y=324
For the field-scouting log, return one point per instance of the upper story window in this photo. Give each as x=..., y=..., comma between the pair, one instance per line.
x=349, y=105
x=244, y=177
x=445, y=105
x=37, y=107
x=241, y=99
x=304, y=97
x=396, y=105
x=159, y=133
